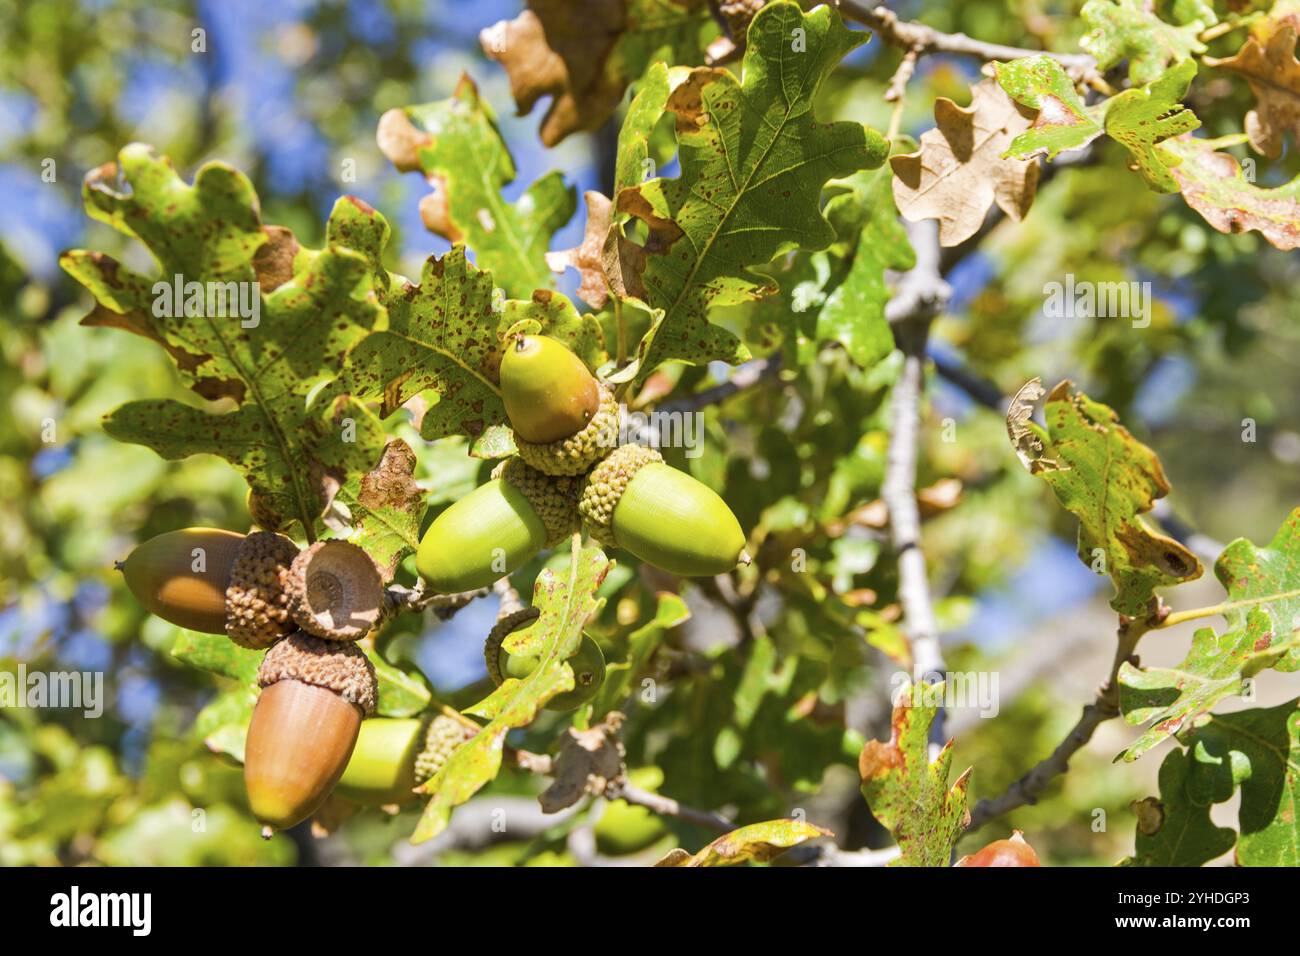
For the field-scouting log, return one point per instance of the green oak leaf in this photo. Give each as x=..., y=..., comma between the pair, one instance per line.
x=566, y=600
x=1214, y=184
x=907, y=793
x=753, y=163
x=1267, y=578
x=1175, y=829
x=223, y=723
x=1107, y=479
x=1216, y=667
x=866, y=223
x=218, y=654
x=1063, y=121
x=293, y=440
x=631, y=158
x=461, y=153
x=1190, y=11
x=755, y=843
x=1129, y=29
x=1142, y=117
x=670, y=611
x=1258, y=752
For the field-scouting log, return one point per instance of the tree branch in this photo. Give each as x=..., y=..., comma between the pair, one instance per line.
x=919, y=297
x=922, y=39
x=1030, y=787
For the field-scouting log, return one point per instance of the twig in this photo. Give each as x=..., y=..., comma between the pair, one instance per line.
x=922, y=39
x=400, y=599
x=1030, y=787
x=919, y=297
x=666, y=806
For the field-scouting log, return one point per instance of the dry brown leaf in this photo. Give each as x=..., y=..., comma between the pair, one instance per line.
x=1273, y=72
x=589, y=762
x=1026, y=442
x=561, y=49
x=588, y=257
x=959, y=170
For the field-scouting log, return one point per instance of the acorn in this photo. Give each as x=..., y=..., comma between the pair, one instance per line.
x=497, y=527
x=335, y=591
x=393, y=756
x=633, y=500
x=588, y=662
x=305, y=724
x=1014, y=851
x=217, y=582
x=563, y=418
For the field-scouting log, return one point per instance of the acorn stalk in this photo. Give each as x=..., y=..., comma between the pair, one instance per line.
x=633, y=500
x=305, y=724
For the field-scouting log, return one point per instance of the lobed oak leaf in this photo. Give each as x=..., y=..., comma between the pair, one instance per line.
x=960, y=169
x=1273, y=72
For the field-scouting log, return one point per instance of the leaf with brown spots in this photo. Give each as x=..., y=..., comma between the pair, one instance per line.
x=907, y=793
x=264, y=325
x=584, y=53
x=1176, y=829
x=756, y=843
x=960, y=170
x=1062, y=122
x=754, y=160
x=386, y=506
x=1271, y=68
x=455, y=144
x=1144, y=118
x=444, y=339
x=1107, y=479
x=1213, y=184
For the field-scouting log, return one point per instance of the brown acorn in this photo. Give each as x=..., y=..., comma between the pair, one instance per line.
x=215, y=581
x=314, y=695
x=335, y=591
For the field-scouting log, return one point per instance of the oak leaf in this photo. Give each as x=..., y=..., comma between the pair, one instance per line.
x=1273, y=72
x=960, y=171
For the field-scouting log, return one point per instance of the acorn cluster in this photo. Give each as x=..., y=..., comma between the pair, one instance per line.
x=571, y=474
x=307, y=609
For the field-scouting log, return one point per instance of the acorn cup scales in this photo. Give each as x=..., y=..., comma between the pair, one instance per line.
x=633, y=500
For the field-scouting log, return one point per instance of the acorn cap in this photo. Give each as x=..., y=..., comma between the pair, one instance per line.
x=578, y=452
x=257, y=598
x=445, y=734
x=604, y=487
x=335, y=591
x=338, y=666
x=505, y=624
x=554, y=498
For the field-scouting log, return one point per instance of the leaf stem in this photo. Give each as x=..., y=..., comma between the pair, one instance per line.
x=1196, y=613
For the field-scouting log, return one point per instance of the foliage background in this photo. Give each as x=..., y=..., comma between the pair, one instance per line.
x=288, y=92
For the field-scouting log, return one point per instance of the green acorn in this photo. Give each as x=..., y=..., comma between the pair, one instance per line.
x=588, y=663
x=393, y=756
x=497, y=527
x=564, y=420
x=633, y=500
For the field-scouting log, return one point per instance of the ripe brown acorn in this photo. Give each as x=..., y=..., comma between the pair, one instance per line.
x=305, y=723
x=216, y=581
x=1012, y=852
